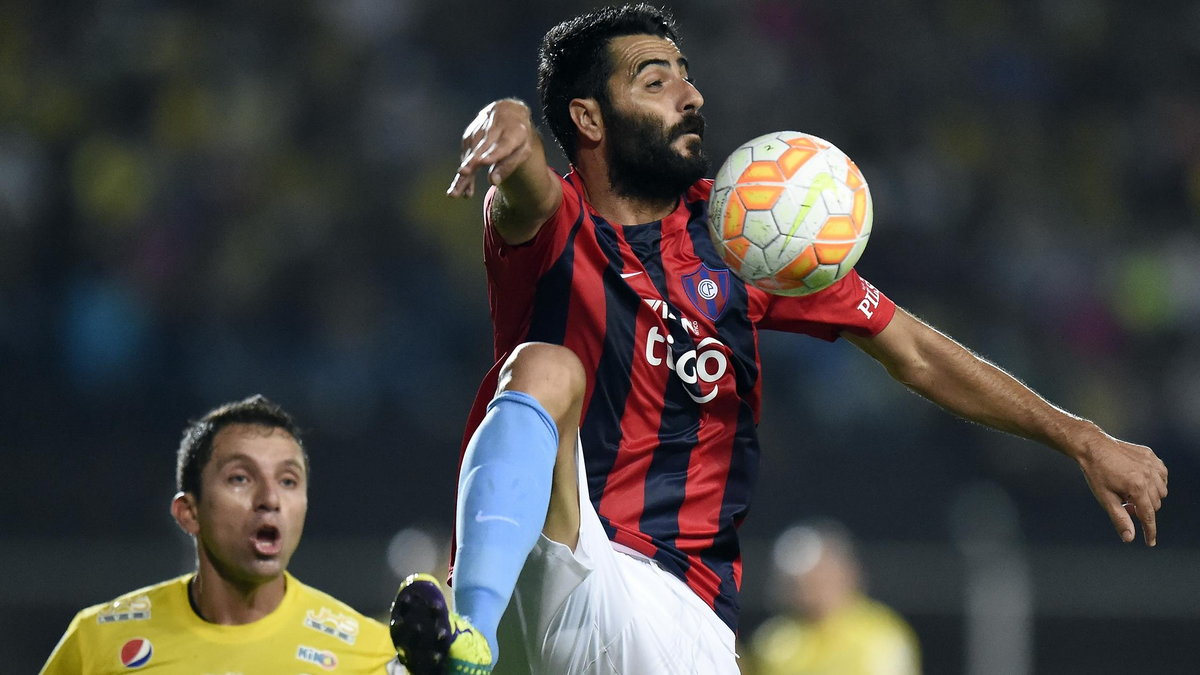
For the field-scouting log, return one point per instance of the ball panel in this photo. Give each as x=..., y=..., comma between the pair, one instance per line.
x=822, y=277
x=837, y=230
x=832, y=254
x=759, y=197
x=759, y=227
x=799, y=268
x=734, y=215
x=804, y=141
x=762, y=172
x=813, y=209
x=858, y=212
x=792, y=159
x=853, y=255
x=737, y=246
x=783, y=250
x=753, y=263
x=854, y=177
x=733, y=167
x=869, y=218
x=769, y=148
x=789, y=212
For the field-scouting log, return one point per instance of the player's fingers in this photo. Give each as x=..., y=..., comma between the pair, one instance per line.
x=1122, y=520
x=461, y=182
x=1143, y=512
x=1146, y=514
x=469, y=138
x=503, y=168
x=473, y=159
x=1156, y=491
x=493, y=143
x=461, y=186
x=499, y=148
x=494, y=152
x=475, y=130
x=502, y=154
x=1130, y=510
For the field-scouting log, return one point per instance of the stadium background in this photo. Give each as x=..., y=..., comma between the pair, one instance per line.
x=200, y=202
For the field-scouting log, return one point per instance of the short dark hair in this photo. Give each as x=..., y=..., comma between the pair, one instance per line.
x=574, y=61
x=197, y=445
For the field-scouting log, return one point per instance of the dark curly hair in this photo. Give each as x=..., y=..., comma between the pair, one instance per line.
x=574, y=61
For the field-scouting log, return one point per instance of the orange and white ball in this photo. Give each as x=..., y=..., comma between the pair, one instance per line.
x=790, y=213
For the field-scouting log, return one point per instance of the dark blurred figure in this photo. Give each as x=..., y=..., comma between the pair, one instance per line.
x=829, y=626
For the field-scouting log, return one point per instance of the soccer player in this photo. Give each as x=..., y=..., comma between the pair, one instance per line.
x=242, y=480
x=611, y=454
x=828, y=624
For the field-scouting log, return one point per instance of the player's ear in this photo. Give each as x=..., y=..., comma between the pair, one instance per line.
x=183, y=509
x=585, y=113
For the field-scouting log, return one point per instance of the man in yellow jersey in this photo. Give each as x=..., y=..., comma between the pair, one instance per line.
x=831, y=625
x=242, y=479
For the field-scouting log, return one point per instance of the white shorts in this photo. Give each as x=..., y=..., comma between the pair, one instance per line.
x=598, y=611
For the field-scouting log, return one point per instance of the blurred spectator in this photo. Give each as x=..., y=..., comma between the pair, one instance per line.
x=828, y=625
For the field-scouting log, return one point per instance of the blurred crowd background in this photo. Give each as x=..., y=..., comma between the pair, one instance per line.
x=201, y=201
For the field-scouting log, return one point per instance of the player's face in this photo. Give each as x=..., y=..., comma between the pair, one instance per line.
x=653, y=126
x=254, y=499
x=825, y=586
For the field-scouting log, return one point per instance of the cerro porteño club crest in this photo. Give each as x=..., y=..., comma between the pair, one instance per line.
x=708, y=289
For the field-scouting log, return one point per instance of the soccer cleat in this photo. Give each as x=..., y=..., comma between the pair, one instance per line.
x=429, y=638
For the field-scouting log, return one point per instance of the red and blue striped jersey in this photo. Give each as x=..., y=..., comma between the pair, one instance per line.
x=669, y=339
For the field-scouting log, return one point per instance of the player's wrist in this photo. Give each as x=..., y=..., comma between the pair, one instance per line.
x=1078, y=438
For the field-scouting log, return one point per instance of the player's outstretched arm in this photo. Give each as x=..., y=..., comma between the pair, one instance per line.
x=1128, y=480
x=503, y=140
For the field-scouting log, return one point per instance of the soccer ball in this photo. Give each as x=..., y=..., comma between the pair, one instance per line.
x=790, y=213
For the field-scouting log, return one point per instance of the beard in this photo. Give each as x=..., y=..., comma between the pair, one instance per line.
x=641, y=162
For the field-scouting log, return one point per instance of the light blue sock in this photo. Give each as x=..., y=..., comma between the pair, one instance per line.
x=503, y=497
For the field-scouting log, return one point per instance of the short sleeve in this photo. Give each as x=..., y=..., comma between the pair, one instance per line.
x=852, y=304
x=66, y=658
x=507, y=263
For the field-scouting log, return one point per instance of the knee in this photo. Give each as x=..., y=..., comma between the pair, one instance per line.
x=552, y=374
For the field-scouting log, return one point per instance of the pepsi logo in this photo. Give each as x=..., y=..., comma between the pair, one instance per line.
x=136, y=653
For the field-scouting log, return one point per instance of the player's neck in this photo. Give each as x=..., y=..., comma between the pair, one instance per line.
x=616, y=208
x=222, y=601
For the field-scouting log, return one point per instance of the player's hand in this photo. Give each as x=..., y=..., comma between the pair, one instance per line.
x=1129, y=481
x=500, y=138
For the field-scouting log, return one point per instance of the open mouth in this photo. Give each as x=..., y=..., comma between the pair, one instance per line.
x=268, y=540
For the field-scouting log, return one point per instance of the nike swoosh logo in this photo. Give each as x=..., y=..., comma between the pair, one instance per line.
x=480, y=518
x=626, y=275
